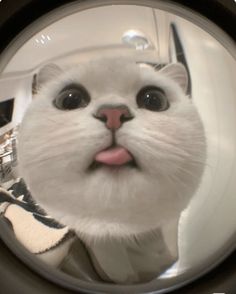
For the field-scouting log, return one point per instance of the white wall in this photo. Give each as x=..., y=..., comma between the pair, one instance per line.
x=210, y=220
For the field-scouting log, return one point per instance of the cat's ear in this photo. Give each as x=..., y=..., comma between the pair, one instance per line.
x=178, y=73
x=45, y=74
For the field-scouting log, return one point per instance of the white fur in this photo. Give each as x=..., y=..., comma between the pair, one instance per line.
x=56, y=147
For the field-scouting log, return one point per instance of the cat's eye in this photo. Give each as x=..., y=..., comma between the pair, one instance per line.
x=72, y=97
x=152, y=98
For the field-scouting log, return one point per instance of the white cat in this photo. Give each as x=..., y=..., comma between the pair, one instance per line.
x=113, y=148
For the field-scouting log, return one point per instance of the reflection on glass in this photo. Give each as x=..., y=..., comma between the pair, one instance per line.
x=136, y=39
x=112, y=152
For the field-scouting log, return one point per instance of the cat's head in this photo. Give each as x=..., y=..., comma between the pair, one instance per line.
x=112, y=146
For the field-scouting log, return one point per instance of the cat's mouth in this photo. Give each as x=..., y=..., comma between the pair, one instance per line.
x=113, y=157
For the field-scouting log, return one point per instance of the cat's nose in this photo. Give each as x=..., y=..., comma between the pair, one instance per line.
x=114, y=116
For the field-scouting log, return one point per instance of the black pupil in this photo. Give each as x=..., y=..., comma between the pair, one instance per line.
x=72, y=99
x=153, y=100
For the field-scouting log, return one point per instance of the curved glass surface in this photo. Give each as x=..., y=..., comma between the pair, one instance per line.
x=117, y=145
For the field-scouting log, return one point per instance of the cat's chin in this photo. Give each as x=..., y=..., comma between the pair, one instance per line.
x=94, y=230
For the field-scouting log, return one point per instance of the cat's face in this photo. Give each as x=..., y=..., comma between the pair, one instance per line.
x=112, y=147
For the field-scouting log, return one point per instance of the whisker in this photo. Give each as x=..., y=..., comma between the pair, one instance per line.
x=45, y=159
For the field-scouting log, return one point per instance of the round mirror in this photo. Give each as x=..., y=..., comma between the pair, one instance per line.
x=117, y=145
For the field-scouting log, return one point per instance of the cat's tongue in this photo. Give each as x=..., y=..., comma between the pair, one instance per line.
x=114, y=156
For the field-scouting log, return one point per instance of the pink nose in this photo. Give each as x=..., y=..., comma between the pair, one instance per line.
x=114, y=117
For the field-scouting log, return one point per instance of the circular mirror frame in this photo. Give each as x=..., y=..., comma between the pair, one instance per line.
x=19, y=271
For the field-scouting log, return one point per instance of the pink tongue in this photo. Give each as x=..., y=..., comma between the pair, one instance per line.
x=114, y=156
